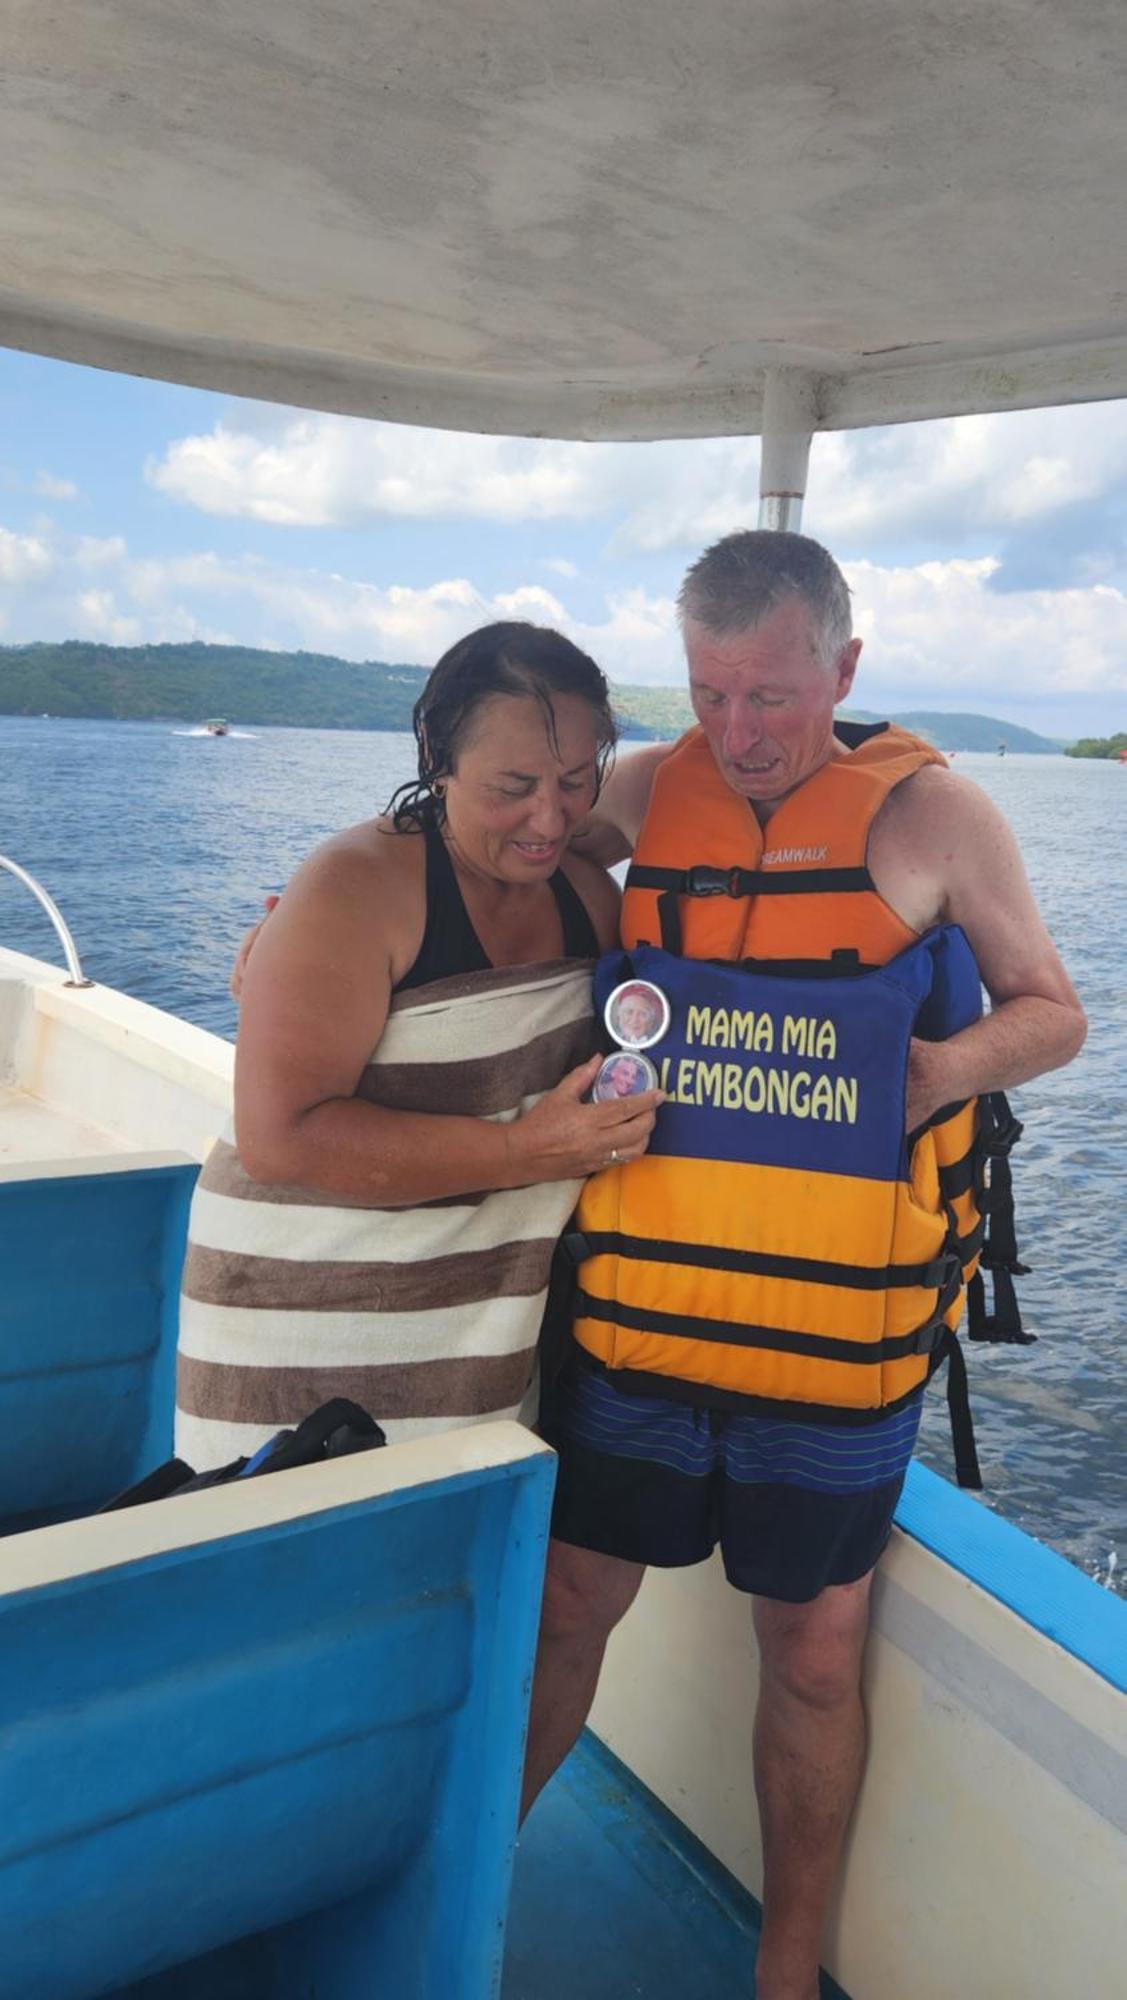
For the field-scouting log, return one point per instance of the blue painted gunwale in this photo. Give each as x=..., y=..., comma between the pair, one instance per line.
x=1042, y=1587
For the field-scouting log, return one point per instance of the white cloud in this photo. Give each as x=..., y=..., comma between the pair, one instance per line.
x=322, y=471
x=323, y=612
x=531, y=601
x=938, y=481
x=24, y=558
x=973, y=475
x=639, y=640
x=982, y=474
x=317, y=610
x=690, y=495
x=560, y=565
x=55, y=489
x=938, y=632
x=98, y=617
x=93, y=552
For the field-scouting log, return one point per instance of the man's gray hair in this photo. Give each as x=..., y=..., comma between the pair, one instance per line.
x=741, y=580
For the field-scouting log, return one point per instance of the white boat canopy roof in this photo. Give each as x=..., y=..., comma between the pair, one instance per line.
x=573, y=219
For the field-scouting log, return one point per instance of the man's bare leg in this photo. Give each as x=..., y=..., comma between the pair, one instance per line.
x=585, y=1595
x=809, y=1753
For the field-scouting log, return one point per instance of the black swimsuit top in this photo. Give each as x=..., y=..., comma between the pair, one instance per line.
x=450, y=943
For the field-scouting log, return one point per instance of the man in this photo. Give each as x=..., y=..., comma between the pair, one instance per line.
x=645, y=1477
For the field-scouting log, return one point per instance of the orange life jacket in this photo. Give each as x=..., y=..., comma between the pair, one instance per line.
x=761, y=1275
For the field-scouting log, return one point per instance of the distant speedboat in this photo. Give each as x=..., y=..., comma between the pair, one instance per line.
x=217, y=726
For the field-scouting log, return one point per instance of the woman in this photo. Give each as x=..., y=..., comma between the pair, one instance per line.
x=414, y=1050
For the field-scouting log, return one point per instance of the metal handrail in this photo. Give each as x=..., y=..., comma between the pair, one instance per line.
x=74, y=964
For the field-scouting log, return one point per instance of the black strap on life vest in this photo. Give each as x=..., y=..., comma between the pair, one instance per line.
x=843, y=963
x=556, y=1342
x=922, y=1339
x=999, y=1131
x=942, y=1274
x=996, y=1240
x=738, y=883
x=963, y=1445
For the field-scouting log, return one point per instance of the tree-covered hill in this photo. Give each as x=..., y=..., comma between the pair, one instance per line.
x=1100, y=746
x=318, y=691
x=187, y=683
x=290, y=690
x=967, y=732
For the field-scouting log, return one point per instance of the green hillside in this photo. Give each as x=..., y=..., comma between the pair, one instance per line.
x=186, y=683
x=1100, y=746
x=965, y=732
x=319, y=691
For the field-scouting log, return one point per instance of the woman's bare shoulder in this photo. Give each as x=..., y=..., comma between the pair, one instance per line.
x=367, y=859
x=359, y=898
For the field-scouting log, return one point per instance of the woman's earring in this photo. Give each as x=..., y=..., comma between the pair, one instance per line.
x=439, y=789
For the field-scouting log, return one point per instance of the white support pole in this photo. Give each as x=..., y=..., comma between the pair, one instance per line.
x=790, y=411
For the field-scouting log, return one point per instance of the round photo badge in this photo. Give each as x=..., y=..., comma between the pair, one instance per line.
x=624, y=1074
x=637, y=1014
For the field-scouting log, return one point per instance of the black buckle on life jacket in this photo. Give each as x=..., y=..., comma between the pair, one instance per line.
x=1004, y=1324
x=575, y=1247
x=951, y=1286
x=701, y=880
x=998, y=1129
x=948, y=1277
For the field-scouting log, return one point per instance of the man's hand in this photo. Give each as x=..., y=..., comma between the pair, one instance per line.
x=239, y=969
x=930, y=1083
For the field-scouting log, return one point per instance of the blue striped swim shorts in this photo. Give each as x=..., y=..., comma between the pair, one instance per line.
x=794, y=1506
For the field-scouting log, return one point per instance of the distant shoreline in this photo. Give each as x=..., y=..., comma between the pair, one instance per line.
x=241, y=727
x=180, y=685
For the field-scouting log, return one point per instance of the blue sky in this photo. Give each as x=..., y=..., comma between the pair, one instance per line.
x=986, y=555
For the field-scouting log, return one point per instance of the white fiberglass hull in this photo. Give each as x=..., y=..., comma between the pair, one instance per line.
x=987, y=1856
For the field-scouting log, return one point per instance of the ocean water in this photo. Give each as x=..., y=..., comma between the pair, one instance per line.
x=160, y=843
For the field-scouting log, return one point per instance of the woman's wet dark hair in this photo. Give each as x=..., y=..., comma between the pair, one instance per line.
x=511, y=657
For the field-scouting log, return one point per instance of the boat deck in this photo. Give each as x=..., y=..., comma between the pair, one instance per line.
x=33, y=1133
x=614, y=1900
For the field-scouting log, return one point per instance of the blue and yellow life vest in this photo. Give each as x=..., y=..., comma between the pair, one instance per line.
x=782, y=1242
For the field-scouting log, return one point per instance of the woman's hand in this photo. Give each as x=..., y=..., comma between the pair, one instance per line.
x=563, y=1139
x=239, y=969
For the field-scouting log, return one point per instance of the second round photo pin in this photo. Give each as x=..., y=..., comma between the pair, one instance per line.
x=624, y=1074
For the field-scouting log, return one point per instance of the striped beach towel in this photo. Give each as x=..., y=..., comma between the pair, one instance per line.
x=428, y=1316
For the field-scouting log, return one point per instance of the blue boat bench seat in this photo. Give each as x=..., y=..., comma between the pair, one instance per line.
x=272, y=1734
x=88, y=1315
